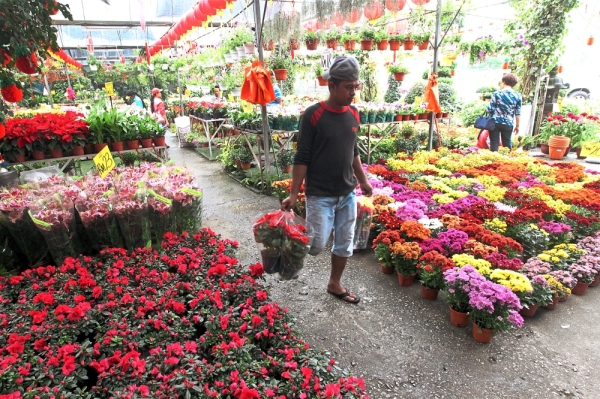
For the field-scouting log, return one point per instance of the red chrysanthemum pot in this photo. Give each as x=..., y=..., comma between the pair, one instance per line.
x=12, y=93
x=27, y=64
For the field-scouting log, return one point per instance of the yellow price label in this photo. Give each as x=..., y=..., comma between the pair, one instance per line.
x=590, y=149
x=188, y=92
x=53, y=92
x=104, y=162
x=294, y=145
x=230, y=97
x=246, y=106
x=109, y=88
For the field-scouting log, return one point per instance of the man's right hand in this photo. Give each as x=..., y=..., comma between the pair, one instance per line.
x=288, y=203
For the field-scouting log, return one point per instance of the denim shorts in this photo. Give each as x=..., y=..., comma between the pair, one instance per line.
x=332, y=213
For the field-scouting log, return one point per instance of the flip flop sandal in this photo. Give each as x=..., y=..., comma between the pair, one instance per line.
x=345, y=295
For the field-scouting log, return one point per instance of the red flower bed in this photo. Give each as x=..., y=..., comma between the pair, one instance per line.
x=183, y=322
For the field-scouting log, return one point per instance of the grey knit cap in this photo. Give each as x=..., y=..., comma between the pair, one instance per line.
x=343, y=68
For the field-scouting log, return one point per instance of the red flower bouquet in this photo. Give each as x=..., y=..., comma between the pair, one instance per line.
x=283, y=240
x=362, y=228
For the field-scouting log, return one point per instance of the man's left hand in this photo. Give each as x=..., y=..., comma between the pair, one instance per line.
x=366, y=188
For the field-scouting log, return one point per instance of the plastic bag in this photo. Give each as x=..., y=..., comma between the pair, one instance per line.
x=283, y=240
x=131, y=208
x=432, y=94
x=162, y=216
x=54, y=216
x=257, y=88
x=99, y=221
x=187, y=207
x=364, y=216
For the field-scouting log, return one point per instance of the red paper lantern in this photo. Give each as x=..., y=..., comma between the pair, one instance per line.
x=420, y=2
x=207, y=8
x=338, y=19
x=180, y=29
x=395, y=5
x=374, y=11
x=217, y=4
x=12, y=93
x=354, y=16
x=326, y=25
x=200, y=16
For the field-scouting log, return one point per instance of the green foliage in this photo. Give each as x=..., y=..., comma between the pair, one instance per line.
x=472, y=111
x=447, y=81
x=392, y=93
x=544, y=24
x=408, y=146
x=417, y=90
x=286, y=158
x=479, y=49
x=367, y=33
x=395, y=68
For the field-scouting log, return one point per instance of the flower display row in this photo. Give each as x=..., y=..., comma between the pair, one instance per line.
x=501, y=234
x=131, y=208
x=385, y=112
x=184, y=320
x=71, y=133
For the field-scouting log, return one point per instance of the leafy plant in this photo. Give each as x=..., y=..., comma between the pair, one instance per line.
x=286, y=158
x=395, y=68
x=318, y=69
x=279, y=62
x=367, y=33
x=381, y=35
x=472, y=111
x=311, y=36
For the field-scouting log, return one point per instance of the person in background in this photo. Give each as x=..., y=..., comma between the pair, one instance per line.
x=158, y=108
x=328, y=159
x=505, y=108
x=135, y=99
x=277, y=90
x=217, y=93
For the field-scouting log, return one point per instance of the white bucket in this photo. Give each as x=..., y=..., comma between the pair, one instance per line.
x=183, y=124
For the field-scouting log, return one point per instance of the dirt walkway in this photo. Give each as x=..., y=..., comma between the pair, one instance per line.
x=402, y=345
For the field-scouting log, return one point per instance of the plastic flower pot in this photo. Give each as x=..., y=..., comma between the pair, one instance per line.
x=394, y=45
x=88, y=149
x=458, y=319
x=372, y=117
x=596, y=281
x=349, y=45
x=159, y=141
x=245, y=166
x=294, y=44
x=430, y=294
x=332, y=44
x=78, y=150
x=545, y=149
x=20, y=157
x=117, y=146
x=557, y=152
x=385, y=269
x=382, y=45
x=530, y=311
x=56, y=153
x=406, y=281
x=409, y=44
x=132, y=144
x=322, y=82
x=366, y=45
x=311, y=44
x=482, y=335
x=280, y=74
x=398, y=118
x=399, y=76
x=99, y=147
x=423, y=46
x=146, y=143
x=580, y=288
x=553, y=304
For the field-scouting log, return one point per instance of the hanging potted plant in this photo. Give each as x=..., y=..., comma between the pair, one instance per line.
x=367, y=35
x=294, y=43
x=398, y=71
x=279, y=65
x=396, y=41
x=312, y=40
x=409, y=42
x=332, y=38
x=422, y=41
x=318, y=70
x=590, y=40
x=381, y=38
x=349, y=39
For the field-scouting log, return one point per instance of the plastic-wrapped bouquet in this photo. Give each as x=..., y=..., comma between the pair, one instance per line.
x=131, y=208
x=364, y=216
x=283, y=240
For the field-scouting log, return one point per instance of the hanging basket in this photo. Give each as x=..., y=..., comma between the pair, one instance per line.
x=349, y=45
x=311, y=44
x=423, y=46
x=409, y=44
x=332, y=44
x=590, y=41
x=395, y=45
x=322, y=82
x=399, y=76
x=366, y=45
x=382, y=45
x=280, y=74
x=294, y=44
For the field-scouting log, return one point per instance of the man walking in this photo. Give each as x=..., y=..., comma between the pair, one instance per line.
x=327, y=157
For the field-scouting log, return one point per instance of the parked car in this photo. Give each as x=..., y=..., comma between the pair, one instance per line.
x=582, y=85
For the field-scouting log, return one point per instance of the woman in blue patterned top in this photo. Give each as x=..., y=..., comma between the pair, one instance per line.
x=505, y=108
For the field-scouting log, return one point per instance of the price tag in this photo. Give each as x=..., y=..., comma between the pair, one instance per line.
x=590, y=150
x=230, y=97
x=104, y=162
x=246, y=106
x=109, y=88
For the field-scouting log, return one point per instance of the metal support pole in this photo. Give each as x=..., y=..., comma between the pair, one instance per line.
x=48, y=89
x=180, y=92
x=436, y=50
x=265, y=120
x=531, y=122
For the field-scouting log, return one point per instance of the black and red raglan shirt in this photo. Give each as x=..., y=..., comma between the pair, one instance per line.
x=327, y=146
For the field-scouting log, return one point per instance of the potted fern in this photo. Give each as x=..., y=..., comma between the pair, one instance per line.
x=367, y=36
